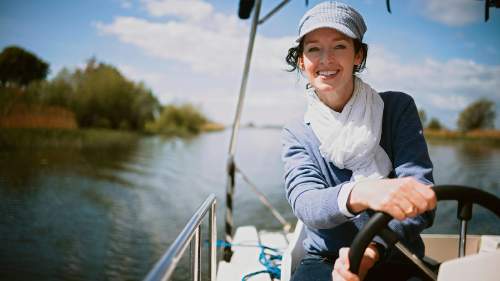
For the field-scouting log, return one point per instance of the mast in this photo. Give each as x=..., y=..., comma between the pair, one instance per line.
x=231, y=167
x=245, y=9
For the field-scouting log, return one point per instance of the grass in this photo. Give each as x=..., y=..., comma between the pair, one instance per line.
x=22, y=138
x=212, y=127
x=59, y=138
x=490, y=136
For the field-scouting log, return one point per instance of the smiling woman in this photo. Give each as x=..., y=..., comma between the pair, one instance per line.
x=328, y=62
x=355, y=149
x=108, y=213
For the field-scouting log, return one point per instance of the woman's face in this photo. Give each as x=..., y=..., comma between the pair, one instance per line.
x=328, y=61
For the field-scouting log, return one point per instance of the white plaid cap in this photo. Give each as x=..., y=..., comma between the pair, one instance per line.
x=334, y=15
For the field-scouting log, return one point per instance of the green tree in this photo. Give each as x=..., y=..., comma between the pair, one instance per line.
x=478, y=115
x=20, y=67
x=434, y=124
x=99, y=95
x=59, y=91
x=103, y=97
x=178, y=120
x=422, y=116
x=144, y=106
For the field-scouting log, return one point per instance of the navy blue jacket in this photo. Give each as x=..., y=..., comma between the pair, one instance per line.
x=313, y=183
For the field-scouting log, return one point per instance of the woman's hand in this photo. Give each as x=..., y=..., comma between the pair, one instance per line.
x=401, y=198
x=341, y=268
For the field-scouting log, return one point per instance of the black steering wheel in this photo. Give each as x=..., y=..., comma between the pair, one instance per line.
x=377, y=224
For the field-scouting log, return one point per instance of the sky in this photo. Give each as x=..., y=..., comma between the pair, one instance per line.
x=441, y=52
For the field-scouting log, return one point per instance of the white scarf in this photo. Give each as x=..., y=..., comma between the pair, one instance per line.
x=350, y=139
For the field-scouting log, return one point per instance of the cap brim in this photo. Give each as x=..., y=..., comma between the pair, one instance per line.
x=337, y=26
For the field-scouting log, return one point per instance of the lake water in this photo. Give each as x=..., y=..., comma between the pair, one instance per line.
x=109, y=215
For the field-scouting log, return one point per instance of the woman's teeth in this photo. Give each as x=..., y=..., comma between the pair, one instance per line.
x=327, y=73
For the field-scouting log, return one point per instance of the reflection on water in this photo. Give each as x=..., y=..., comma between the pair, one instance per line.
x=471, y=164
x=109, y=215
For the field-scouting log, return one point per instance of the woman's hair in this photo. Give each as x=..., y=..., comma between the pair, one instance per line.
x=294, y=53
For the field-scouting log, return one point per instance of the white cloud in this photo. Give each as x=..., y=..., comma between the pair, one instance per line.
x=449, y=102
x=193, y=10
x=439, y=87
x=453, y=12
x=207, y=56
x=213, y=50
x=153, y=80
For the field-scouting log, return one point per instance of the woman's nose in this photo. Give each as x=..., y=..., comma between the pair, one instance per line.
x=327, y=56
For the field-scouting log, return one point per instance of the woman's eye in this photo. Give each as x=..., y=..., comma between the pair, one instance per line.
x=312, y=49
x=340, y=47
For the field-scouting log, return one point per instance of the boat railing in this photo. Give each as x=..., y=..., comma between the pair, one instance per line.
x=191, y=234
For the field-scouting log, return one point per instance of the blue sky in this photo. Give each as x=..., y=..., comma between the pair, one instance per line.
x=439, y=51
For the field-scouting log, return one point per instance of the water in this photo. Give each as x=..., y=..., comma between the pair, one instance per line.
x=109, y=215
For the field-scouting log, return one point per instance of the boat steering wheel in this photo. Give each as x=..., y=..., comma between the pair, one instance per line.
x=377, y=224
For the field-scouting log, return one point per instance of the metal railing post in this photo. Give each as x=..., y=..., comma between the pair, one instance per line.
x=212, y=251
x=462, y=238
x=189, y=236
x=195, y=254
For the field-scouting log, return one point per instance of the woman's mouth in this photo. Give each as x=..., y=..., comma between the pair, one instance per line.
x=327, y=74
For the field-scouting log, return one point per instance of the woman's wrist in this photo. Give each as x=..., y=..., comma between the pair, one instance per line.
x=355, y=203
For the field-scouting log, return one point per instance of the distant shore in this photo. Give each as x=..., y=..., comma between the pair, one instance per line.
x=17, y=138
x=212, y=127
x=490, y=136
x=12, y=138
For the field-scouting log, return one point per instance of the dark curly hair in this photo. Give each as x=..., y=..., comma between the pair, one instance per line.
x=294, y=53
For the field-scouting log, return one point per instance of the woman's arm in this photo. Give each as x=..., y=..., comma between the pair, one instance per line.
x=312, y=200
x=411, y=159
x=409, y=197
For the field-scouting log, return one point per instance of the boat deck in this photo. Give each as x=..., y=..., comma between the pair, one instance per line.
x=441, y=248
x=245, y=258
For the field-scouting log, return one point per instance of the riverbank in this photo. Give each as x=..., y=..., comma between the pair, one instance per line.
x=18, y=138
x=212, y=127
x=489, y=136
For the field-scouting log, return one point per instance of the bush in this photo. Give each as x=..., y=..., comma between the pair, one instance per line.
x=181, y=120
x=434, y=124
x=99, y=95
x=478, y=115
x=422, y=116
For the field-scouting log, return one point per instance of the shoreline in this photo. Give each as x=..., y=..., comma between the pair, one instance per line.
x=489, y=136
x=88, y=138
x=22, y=138
x=17, y=138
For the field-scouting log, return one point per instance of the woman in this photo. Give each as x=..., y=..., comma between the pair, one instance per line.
x=354, y=150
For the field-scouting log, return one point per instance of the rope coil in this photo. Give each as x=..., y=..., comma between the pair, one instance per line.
x=269, y=257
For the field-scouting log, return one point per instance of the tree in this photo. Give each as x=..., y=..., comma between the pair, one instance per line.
x=183, y=120
x=434, y=124
x=103, y=97
x=478, y=115
x=20, y=67
x=423, y=117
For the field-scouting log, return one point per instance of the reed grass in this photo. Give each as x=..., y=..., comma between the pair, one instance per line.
x=212, y=127
x=22, y=138
x=490, y=136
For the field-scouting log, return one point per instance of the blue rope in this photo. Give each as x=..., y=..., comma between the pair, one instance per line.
x=269, y=257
